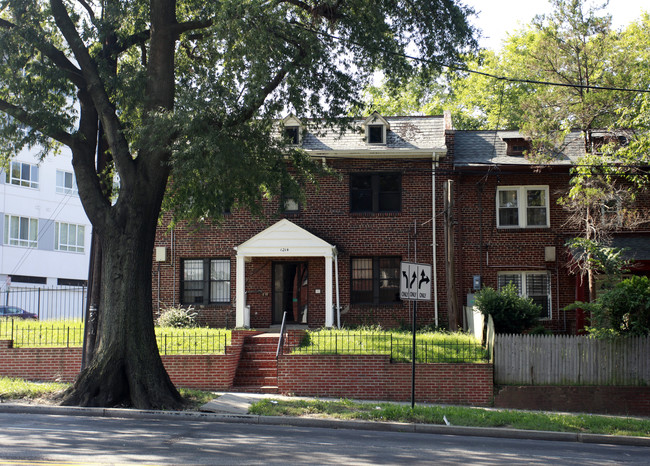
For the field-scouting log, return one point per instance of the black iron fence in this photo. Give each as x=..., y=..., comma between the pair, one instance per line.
x=48, y=303
x=30, y=334
x=428, y=349
x=193, y=342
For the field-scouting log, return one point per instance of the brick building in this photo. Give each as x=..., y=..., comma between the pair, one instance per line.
x=337, y=257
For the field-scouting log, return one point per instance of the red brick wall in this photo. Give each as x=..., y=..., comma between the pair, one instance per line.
x=326, y=214
x=376, y=378
x=597, y=399
x=41, y=364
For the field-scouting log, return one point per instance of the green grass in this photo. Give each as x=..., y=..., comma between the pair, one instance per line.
x=18, y=389
x=12, y=389
x=69, y=333
x=430, y=346
x=457, y=416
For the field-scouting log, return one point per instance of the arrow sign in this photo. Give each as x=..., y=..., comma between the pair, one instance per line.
x=416, y=285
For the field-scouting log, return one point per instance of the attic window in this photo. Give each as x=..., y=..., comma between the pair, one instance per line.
x=376, y=134
x=292, y=134
x=517, y=147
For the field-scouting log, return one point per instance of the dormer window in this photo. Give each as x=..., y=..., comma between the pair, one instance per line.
x=292, y=134
x=292, y=130
x=517, y=147
x=376, y=128
x=376, y=134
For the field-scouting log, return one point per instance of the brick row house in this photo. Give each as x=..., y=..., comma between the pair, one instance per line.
x=335, y=259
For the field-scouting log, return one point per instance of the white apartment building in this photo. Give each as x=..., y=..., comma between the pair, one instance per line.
x=45, y=232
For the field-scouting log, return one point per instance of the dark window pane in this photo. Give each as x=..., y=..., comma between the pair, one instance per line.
x=376, y=134
x=508, y=217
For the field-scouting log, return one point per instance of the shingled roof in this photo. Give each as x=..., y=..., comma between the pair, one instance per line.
x=480, y=148
x=405, y=134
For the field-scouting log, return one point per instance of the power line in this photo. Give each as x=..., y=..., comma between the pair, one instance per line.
x=481, y=73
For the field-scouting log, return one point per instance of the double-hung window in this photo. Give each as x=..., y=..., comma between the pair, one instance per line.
x=205, y=281
x=21, y=231
x=65, y=182
x=374, y=280
x=375, y=192
x=69, y=237
x=533, y=285
x=23, y=174
x=522, y=207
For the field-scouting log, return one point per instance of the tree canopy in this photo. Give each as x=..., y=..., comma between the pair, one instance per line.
x=148, y=89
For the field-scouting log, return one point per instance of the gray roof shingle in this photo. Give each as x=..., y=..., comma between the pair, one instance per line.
x=475, y=148
x=405, y=133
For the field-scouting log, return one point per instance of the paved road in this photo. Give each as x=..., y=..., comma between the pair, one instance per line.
x=43, y=439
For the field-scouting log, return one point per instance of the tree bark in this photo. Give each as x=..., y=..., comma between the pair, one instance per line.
x=126, y=370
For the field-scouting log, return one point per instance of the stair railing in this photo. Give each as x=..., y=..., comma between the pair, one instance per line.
x=281, y=339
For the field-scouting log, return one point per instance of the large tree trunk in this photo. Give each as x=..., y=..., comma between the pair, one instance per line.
x=127, y=369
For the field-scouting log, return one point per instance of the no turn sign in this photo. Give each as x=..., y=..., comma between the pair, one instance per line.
x=415, y=281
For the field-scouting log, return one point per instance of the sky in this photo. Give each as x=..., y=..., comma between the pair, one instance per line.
x=498, y=17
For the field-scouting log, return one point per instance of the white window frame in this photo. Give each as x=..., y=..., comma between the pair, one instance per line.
x=78, y=242
x=383, y=134
x=27, y=176
x=27, y=231
x=522, y=205
x=61, y=185
x=522, y=286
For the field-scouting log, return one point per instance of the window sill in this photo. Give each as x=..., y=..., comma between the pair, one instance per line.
x=375, y=214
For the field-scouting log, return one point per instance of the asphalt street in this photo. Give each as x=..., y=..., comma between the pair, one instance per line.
x=65, y=439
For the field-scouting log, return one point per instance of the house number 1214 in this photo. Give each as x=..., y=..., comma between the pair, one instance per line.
x=284, y=249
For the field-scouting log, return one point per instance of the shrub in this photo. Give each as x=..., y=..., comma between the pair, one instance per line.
x=623, y=310
x=177, y=317
x=511, y=313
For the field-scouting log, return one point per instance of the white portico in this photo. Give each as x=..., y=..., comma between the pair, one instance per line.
x=284, y=239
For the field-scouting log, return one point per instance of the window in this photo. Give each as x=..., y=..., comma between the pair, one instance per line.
x=374, y=280
x=28, y=279
x=21, y=231
x=65, y=182
x=534, y=285
x=23, y=174
x=376, y=134
x=292, y=134
x=69, y=237
x=522, y=206
x=290, y=205
x=205, y=281
x=71, y=282
x=375, y=192
x=517, y=146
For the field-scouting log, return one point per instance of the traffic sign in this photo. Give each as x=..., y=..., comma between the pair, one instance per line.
x=415, y=281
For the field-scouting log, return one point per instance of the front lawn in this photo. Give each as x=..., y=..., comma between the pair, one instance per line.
x=430, y=346
x=69, y=333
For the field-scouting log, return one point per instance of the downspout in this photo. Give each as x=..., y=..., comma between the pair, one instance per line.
x=434, y=165
x=336, y=278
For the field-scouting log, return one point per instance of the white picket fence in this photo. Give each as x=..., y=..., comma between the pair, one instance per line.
x=571, y=360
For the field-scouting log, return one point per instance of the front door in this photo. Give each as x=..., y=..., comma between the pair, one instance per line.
x=290, y=291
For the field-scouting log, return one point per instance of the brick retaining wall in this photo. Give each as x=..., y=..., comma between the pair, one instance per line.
x=374, y=377
x=586, y=399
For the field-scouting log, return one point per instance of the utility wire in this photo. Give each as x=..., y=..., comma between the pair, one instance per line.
x=467, y=70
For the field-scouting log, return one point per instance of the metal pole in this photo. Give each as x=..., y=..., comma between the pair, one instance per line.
x=415, y=311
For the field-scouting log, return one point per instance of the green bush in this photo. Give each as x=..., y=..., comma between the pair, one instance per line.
x=177, y=317
x=623, y=310
x=511, y=313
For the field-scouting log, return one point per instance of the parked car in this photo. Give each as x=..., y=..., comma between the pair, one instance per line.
x=14, y=311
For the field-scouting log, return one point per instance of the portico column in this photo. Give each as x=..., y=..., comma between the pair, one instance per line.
x=329, y=309
x=240, y=293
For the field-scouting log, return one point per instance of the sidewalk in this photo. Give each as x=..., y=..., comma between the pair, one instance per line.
x=233, y=408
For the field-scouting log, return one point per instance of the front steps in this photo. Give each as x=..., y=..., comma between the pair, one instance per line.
x=258, y=368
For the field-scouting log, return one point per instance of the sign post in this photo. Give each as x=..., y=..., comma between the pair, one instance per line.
x=415, y=285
